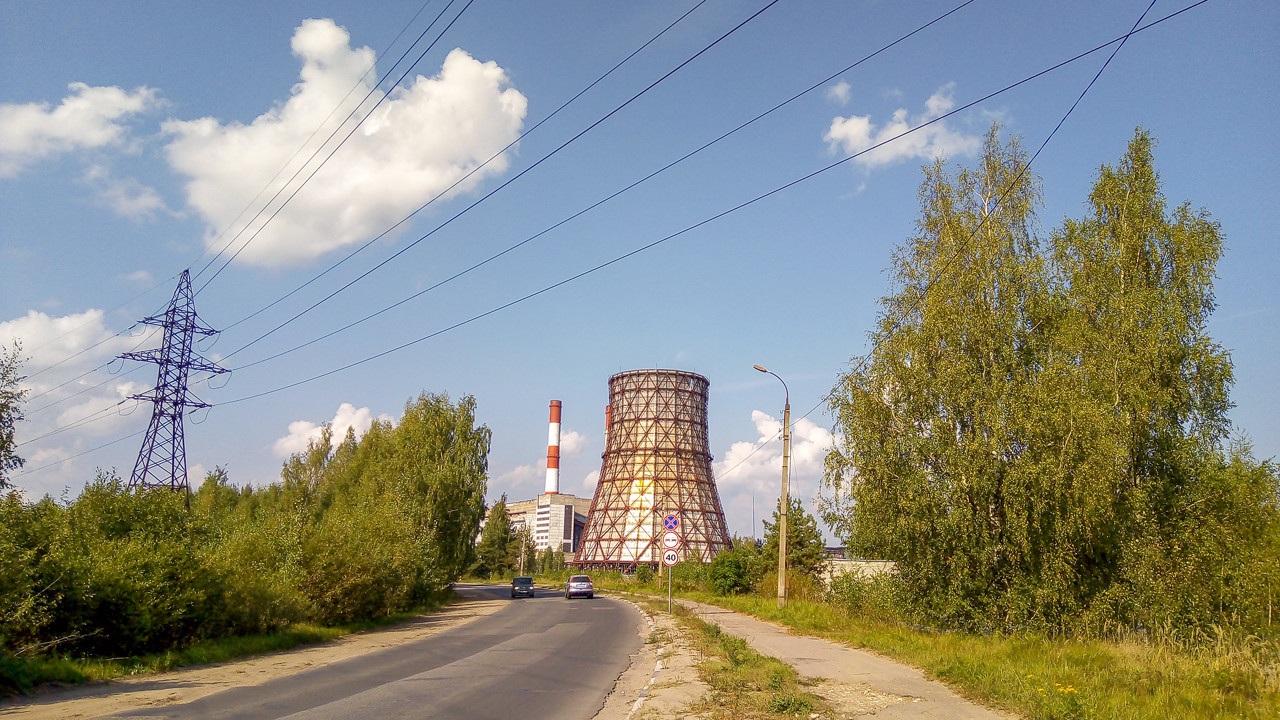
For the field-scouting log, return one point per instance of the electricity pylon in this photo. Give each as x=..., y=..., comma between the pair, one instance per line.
x=162, y=462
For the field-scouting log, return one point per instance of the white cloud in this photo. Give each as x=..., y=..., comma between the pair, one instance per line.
x=303, y=432
x=857, y=133
x=589, y=482
x=196, y=474
x=88, y=117
x=127, y=198
x=756, y=465
x=66, y=385
x=47, y=340
x=141, y=278
x=422, y=138
x=519, y=476
x=749, y=477
x=572, y=443
x=840, y=93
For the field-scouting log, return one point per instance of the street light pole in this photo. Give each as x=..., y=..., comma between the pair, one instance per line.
x=784, y=502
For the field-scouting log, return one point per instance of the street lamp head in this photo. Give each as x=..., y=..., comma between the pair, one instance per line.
x=760, y=368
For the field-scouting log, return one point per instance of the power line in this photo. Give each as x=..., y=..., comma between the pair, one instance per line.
x=585, y=210
x=464, y=178
x=1136, y=29
x=316, y=131
x=84, y=374
x=509, y=181
x=711, y=219
x=26, y=471
x=916, y=305
x=332, y=152
x=84, y=325
x=248, y=205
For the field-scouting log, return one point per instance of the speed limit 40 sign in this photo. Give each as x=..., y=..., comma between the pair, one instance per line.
x=670, y=558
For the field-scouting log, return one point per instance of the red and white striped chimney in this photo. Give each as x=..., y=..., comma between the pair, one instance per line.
x=553, y=450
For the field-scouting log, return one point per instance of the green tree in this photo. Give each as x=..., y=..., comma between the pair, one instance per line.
x=931, y=418
x=739, y=568
x=11, y=396
x=1037, y=433
x=805, y=547
x=526, y=551
x=494, y=551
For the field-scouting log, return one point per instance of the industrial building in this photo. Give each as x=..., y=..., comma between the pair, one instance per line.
x=656, y=463
x=557, y=519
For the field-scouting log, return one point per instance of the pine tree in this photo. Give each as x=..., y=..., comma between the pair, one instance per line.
x=494, y=552
x=804, y=543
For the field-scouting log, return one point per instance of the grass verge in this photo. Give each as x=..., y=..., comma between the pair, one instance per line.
x=23, y=675
x=1054, y=679
x=745, y=685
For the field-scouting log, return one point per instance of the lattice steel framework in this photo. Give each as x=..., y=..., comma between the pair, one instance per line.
x=656, y=462
x=162, y=462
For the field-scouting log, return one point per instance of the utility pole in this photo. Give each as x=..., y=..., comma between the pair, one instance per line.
x=784, y=502
x=162, y=461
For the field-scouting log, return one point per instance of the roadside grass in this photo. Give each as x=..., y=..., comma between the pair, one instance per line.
x=745, y=685
x=19, y=675
x=1054, y=679
x=1158, y=677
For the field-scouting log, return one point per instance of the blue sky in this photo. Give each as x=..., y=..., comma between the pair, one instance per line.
x=133, y=134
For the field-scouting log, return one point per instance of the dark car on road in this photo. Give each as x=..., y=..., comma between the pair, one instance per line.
x=579, y=586
x=522, y=587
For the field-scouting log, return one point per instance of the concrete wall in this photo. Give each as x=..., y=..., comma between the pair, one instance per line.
x=860, y=568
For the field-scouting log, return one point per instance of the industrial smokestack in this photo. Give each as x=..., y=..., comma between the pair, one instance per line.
x=553, y=450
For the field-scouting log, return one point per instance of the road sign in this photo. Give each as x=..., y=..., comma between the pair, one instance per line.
x=671, y=540
x=671, y=522
x=670, y=558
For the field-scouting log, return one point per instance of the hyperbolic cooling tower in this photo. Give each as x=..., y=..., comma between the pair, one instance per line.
x=657, y=462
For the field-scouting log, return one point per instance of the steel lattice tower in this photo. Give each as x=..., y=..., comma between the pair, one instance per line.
x=162, y=462
x=657, y=461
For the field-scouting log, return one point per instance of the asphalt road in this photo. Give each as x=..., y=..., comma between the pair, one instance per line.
x=538, y=657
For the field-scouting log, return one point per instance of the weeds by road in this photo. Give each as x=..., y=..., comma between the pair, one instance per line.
x=1055, y=679
x=1155, y=677
x=745, y=685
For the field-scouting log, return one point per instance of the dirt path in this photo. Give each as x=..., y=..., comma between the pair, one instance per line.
x=181, y=686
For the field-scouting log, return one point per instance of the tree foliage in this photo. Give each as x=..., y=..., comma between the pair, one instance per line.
x=739, y=568
x=1039, y=434
x=496, y=551
x=805, y=546
x=11, y=396
x=368, y=528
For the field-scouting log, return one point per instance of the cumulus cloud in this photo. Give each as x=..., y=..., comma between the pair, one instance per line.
x=421, y=139
x=524, y=481
x=126, y=197
x=749, y=476
x=303, y=432
x=756, y=465
x=857, y=133
x=572, y=443
x=141, y=278
x=88, y=117
x=67, y=385
x=520, y=476
x=840, y=93
x=48, y=340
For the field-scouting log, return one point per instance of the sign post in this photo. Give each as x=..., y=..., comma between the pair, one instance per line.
x=671, y=542
x=669, y=558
